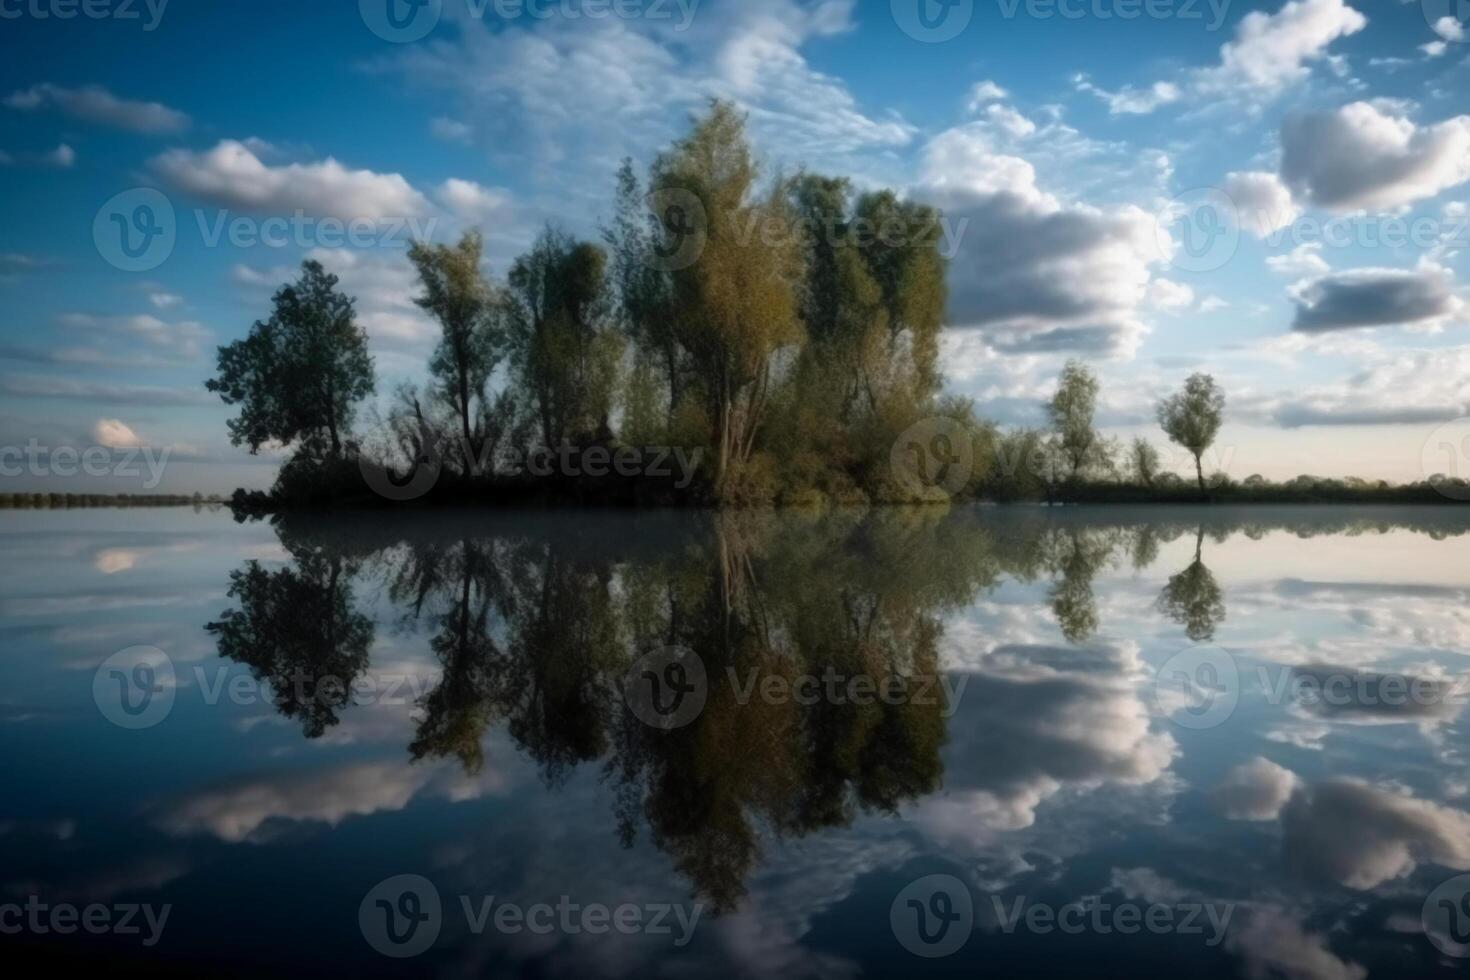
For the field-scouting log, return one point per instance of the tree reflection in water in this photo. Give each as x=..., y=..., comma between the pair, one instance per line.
x=536, y=618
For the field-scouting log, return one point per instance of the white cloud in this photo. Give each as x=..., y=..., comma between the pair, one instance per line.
x=1132, y=101
x=471, y=202
x=115, y=434
x=1450, y=29
x=1362, y=156
x=165, y=301
x=1009, y=121
x=985, y=92
x=1170, y=296
x=233, y=175
x=1262, y=202
x=96, y=104
x=1272, y=51
x=1304, y=260
x=1256, y=790
x=1034, y=274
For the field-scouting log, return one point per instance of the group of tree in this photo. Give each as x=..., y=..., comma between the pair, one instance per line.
x=783, y=332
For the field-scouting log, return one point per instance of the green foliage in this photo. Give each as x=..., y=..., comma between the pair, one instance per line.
x=298, y=376
x=472, y=340
x=1192, y=417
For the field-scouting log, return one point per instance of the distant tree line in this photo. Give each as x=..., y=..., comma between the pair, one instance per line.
x=786, y=331
x=64, y=501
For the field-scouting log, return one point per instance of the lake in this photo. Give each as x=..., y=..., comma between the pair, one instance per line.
x=982, y=742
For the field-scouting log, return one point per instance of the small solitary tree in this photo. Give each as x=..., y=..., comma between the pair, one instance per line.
x=1192, y=418
x=298, y=376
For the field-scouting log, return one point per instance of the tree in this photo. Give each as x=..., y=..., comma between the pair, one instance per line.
x=565, y=354
x=644, y=288
x=1192, y=418
x=298, y=376
x=737, y=302
x=1143, y=462
x=1071, y=410
x=468, y=311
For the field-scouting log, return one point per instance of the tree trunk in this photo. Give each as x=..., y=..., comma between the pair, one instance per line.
x=1199, y=471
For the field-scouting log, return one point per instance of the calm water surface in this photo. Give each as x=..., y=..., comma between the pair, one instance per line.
x=985, y=742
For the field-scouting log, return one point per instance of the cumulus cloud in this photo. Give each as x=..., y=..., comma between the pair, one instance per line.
x=985, y=92
x=1256, y=790
x=1038, y=719
x=1423, y=297
x=1262, y=202
x=1032, y=273
x=1361, y=836
x=1275, y=944
x=1272, y=51
x=96, y=104
x=1362, y=155
x=115, y=434
x=233, y=175
x=472, y=202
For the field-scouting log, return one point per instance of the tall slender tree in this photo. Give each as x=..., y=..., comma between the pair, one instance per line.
x=1192, y=418
x=472, y=340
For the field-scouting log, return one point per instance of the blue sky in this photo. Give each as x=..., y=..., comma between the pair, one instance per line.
x=1316, y=154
